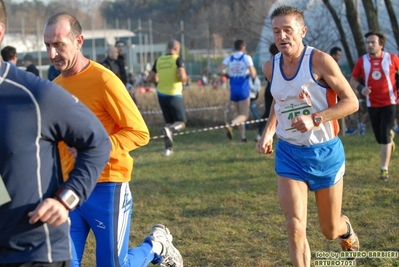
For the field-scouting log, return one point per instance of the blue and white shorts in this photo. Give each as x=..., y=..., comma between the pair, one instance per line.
x=319, y=166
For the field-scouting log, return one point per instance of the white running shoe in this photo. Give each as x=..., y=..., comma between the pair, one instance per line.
x=168, y=152
x=171, y=256
x=362, y=128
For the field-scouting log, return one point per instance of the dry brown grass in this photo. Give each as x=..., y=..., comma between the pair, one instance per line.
x=194, y=97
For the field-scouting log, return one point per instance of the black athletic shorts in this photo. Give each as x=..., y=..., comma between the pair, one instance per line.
x=172, y=108
x=382, y=120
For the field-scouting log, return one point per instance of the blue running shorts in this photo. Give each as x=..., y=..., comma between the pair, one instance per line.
x=237, y=95
x=319, y=166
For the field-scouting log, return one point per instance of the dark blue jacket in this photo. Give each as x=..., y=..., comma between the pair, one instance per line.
x=52, y=73
x=35, y=114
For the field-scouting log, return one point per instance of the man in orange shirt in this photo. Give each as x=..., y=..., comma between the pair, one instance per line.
x=108, y=210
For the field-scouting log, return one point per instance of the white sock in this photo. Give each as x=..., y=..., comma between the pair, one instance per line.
x=157, y=247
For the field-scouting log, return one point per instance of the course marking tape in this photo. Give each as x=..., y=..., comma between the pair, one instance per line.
x=148, y=112
x=207, y=129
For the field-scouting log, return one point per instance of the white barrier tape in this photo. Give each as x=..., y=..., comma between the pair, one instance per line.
x=187, y=110
x=226, y=107
x=208, y=129
x=151, y=112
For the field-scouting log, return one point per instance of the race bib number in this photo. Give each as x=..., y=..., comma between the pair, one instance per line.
x=4, y=196
x=237, y=68
x=291, y=110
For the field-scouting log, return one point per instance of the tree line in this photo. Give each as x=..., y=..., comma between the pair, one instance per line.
x=209, y=24
x=371, y=11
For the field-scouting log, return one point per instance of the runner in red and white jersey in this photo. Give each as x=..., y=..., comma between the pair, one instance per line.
x=377, y=68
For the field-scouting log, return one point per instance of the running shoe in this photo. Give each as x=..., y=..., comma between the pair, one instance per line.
x=229, y=132
x=352, y=242
x=168, y=152
x=350, y=131
x=171, y=256
x=384, y=175
x=362, y=129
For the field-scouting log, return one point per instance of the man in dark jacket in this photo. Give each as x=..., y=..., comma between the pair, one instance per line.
x=34, y=200
x=111, y=62
x=120, y=45
x=28, y=63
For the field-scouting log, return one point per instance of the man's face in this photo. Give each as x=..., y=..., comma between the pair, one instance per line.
x=373, y=46
x=62, y=47
x=288, y=33
x=26, y=63
x=113, y=53
x=337, y=56
x=120, y=47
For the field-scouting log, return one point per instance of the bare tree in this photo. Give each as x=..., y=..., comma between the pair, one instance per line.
x=229, y=19
x=394, y=22
x=351, y=13
x=371, y=15
x=341, y=33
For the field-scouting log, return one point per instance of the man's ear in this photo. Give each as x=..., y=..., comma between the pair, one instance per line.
x=304, y=31
x=80, y=40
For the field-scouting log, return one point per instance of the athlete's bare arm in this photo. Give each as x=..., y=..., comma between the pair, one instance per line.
x=327, y=72
x=265, y=143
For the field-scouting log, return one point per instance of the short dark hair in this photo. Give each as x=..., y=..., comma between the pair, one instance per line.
x=119, y=42
x=76, y=28
x=239, y=44
x=28, y=57
x=172, y=43
x=335, y=50
x=8, y=53
x=285, y=10
x=381, y=37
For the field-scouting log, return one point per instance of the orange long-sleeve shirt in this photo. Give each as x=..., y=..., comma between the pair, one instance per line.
x=106, y=96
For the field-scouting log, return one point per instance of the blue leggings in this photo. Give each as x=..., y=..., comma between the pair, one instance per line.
x=107, y=213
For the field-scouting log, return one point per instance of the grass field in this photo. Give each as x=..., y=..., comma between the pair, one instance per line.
x=218, y=198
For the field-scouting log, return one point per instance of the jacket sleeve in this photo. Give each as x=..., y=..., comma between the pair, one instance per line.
x=72, y=122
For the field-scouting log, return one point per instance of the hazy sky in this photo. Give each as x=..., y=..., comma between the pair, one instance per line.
x=20, y=1
x=48, y=1
x=45, y=1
